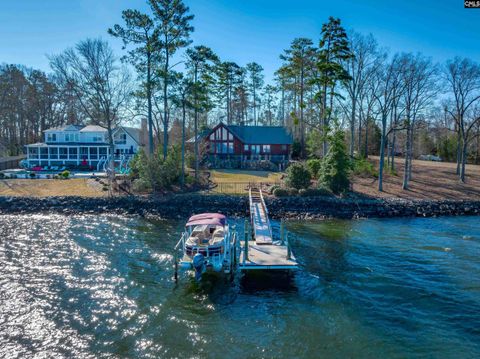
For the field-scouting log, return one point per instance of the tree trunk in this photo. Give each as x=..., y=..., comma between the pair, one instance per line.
x=165, y=106
x=197, y=163
x=149, y=99
x=464, y=160
x=352, y=127
x=182, y=179
x=366, y=139
x=459, y=152
x=407, y=159
x=382, y=153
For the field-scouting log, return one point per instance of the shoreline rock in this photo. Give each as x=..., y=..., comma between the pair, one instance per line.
x=182, y=206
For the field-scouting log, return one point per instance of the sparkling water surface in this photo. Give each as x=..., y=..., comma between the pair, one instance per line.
x=101, y=286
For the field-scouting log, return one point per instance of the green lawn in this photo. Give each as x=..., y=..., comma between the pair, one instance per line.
x=236, y=181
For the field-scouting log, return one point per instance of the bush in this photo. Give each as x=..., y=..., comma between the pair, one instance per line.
x=140, y=185
x=297, y=176
x=280, y=192
x=65, y=174
x=32, y=175
x=2, y=175
x=364, y=168
x=314, y=166
x=293, y=192
x=315, y=192
x=336, y=164
x=273, y=188
x=160, y=173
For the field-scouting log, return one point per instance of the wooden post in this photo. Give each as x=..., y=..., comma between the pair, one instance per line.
x=176, y=266
x=245, y=257
x=282, y=232
x=289, y=254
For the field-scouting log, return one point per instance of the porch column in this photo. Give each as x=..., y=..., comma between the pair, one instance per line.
x=88, y=156
x=78, y=155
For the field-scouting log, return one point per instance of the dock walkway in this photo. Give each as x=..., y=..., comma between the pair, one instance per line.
x=262, y=252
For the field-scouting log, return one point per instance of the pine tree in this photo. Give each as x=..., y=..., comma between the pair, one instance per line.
x=140, y=31
x=334, y=51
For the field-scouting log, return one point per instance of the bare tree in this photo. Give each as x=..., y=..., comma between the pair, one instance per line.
x=463, y=79
x=418, y=76
x=361, y=67
x=101, y=86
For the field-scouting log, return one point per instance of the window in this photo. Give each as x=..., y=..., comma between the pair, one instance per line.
x=63, y=153
x=246, y=148
x=284, y=147
x=212, y=136
x=256, y=149
x=51, y=137
x=71, y=137
x=121, y=139
x=93, y=153
x=224, y=134
x=230, y=137
x=230, y=147
x=266, y=148
x=53, y=153
x=72, y=153
x=97, y=138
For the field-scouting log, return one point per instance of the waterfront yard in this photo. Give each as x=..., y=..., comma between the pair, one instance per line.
x=50, y=187
x=430, y=180
x=237, y=181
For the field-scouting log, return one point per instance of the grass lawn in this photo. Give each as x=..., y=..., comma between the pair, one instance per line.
x=50, y=187
x=236, y=181
x=228, y=176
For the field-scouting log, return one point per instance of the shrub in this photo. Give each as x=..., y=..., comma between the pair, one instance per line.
x=65, y=174
x=160, y=173
x=141, y=185
x=297, y=176
x=32, y=175
x=364, y=168
x=273, y=188
x=2, y=175
x=336, y=164
x=293, y=192
x=280, y=192
x=315, y=192
x=314, y=166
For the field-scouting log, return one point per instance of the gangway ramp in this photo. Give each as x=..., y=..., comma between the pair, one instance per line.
x=259, y=251
x=262, y=231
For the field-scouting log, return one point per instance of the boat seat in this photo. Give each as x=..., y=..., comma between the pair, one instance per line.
x=192, y=241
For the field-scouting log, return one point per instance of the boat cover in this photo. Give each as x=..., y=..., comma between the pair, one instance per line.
x=207, y=218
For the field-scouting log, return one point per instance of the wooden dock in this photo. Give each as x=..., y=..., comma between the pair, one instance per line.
x=266, y=257
x=263, y=253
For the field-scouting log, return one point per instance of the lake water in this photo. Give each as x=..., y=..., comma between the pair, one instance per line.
x=101, y=286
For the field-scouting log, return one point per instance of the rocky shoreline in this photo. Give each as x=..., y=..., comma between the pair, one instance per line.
x=181, y=206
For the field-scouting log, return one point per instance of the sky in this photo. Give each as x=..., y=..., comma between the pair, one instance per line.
x=245, y=30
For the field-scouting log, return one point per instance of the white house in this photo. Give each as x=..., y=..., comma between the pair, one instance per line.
x=82, y=146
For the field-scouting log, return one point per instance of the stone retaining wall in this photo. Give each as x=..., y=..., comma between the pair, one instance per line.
x=181, y=206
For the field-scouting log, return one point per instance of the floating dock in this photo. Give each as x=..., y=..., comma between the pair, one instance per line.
x=258, y=250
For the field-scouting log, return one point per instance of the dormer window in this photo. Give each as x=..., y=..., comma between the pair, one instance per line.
x=51, y=137
x=71, y=137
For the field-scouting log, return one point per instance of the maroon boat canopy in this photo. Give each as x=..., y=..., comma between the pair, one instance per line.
x=206, y=219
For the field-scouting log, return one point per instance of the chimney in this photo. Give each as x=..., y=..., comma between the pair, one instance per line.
x=144, y=132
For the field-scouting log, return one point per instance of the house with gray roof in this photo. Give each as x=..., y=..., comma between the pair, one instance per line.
x=82, y=146
x=247, y=143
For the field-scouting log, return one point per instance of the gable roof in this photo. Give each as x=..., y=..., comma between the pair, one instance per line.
x=261, y=135
x=64, y=128
x=93, y=128
x=133, y=132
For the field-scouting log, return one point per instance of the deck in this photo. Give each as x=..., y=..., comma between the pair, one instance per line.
x=266, y=257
